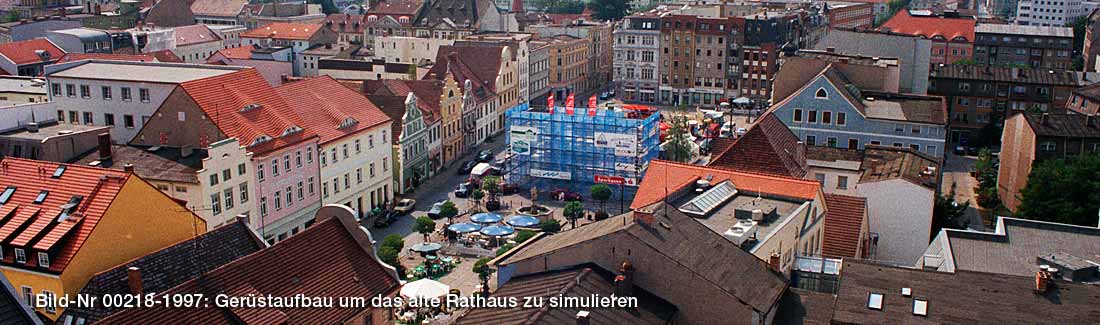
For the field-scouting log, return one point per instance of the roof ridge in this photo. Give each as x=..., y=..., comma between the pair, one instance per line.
x=728, y=169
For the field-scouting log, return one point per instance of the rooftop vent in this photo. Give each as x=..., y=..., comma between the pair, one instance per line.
x=250, y=107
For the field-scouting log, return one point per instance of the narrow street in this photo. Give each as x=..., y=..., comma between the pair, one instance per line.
x=956, y=170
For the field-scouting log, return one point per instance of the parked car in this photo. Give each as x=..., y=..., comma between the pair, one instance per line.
x=404, y=206
x=385, y=219
x=565, y=195
x=467, y=167
x=485, y=156
x=742, y=131
x=508, y=188
x=436, y=209
x=463, y=190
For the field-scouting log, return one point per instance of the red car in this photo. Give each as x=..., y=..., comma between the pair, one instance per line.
x=565, y=195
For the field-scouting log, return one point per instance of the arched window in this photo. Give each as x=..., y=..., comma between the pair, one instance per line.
x=821, y=93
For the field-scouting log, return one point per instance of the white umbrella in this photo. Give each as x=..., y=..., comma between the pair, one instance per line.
x=424, y=289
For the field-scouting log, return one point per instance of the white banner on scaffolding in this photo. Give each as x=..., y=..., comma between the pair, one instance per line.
x=551, y=174
x=522, y=137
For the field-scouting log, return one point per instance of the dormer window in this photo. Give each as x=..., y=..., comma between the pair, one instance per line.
x=348, y=122
x=260, y=139
x=250, y=107
x=43, y=259
x=291, y=130
x=20, y=256
x=821, y=94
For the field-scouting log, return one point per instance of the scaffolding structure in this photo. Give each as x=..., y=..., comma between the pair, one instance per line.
x=575, y=151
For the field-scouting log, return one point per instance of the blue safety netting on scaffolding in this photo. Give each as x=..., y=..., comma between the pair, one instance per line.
x=572, y=151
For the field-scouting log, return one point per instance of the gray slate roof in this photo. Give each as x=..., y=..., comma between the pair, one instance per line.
x=1015, y=250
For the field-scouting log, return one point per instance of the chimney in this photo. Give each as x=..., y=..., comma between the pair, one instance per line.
x=643, y=217
x=582, y=318
x=773, y=263
x=104, y=145
x=624, y=282
x=133, y=277
x=32, y=127
x=1042, y=281
x=129, y=168
x=830, y=49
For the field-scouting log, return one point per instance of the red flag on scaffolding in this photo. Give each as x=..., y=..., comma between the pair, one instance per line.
x=569, y=104
x=592, y=105
x=550, y=103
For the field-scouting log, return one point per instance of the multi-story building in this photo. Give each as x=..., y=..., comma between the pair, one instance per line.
x=850, y=14
x=120, y=94
x=215, y=182
x=265, y=63
x=519, y=45
x=693, y=66
x=349, y=28
x=353, y=142
x=980, y=98
x=454, y=19
x=538, y=70
x=406, y=49
x=494, y=74
x=1049, y=13
x=390, y=18
x=952, y=38
x=913, y=53
x=298, y=37
x=1030, y=138
x=639, y=37
x=598, y=57
x=568, y=65
x=1025, y=46
x=64, y=223
x=352, y=69
x=27, y=58
x=1091, y=48
x=50, y=141
x=196, y=43
x=410, y=164
x=16, y=90
x=764, y=35
x=200, y=112
x=832, y=111
x=218, y=12
x=259, y=14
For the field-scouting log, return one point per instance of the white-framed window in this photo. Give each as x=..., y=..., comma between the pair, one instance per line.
x=143, y=94
x=216, y=203
x=324, y=189
x=358, y=175
x=263, y=206
x=127, y=95
x=358, y=147
x=842, y=182
x=106, y=91
x=244, y=192
x=278, y=200
x=228, y=198
x=821, y=94
x=260, y=172
x=289, y=196
x=20, y=256
x=301, y=191
x=28, y=295
x=286, y=162
x=1048, y=146
x=309, y=154
x=309, y=184
x=43, y=259
x=275, y=167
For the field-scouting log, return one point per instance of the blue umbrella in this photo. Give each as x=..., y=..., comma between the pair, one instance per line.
x=523, y=221
x=497, y=230
x=464, y=227
x=486, y=217
x=426, y=247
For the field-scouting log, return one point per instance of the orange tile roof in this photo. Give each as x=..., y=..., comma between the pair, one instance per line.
x=666, y=177
x=287, y=31
x=948, y=28
x=324, y=104
x=768, y=147
x=107, y=56
x=844, y=219
x=23, y=52
x=236, y=53
x=98, y=186
x=166, y=56
x=223, y=97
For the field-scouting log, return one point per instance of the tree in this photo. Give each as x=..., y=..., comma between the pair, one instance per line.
x=946, y=213
x=550, y=226
x=12, y=16
x=1079, y=26
x=986, y=172
x=491, y=184
x=477, y=195
x=424, y=226
x=892, y=7
x=601, y=193
x=504, y=249
x=1063, y=191
x=678, y=146
x=448, y=210
x=394, y=241
x=481, y=267
x=573, y=211
x=389, y=255
x=524, y=235
x=609, y=9
x=559, y=6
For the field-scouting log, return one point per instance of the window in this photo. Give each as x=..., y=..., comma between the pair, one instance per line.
x=841, y=118
x=275, y=167
x=61, y=115
x=309, y=155
x=826, y=117
x=289, y=196
x=6, y=195
x=821, y=93
x=345, y=150
x=41, y=197
x=227, y=175
x=143, y=94
x=333, y=154
x=228, y=198
x=963, y=86
x=286, y=162
x=70, y=90
x=51, y=305
x=260, y=172
x=85, y=91
x=55, y=89
x=359, y=175
x=798, y=115
x=385, y=136
x=853, y=143
x=109, y=119
x=920, y=307
x=842, y=182
x=832, y=142
x=813, y=117
x=87, y=118
x=874, y=301
x=897, y=144
x=73, y=117
x=244, y=192
x=915, y=129
x=263, y=206
x=811, y=140
x=1048, y=146
x=309, y=184
x=336, y=185
x=126, y=95
x=28, y=295
x=106, y=92
x=324, y=189
x=301, y=191
x=278, y=200
x=347, y=181
x=240, y=169
x=20, y=255
x=371, y=170
x=128, y=121
x=820, y=178
x=385, y=163
x=358, y=148
x=216, y=203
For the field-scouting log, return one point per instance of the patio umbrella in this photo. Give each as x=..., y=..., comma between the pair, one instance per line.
x=464, y=227
x=741, y=100
x=426, y=248
x=424, y=289
x=486, y=217
x=523, y=221
x=497, y=230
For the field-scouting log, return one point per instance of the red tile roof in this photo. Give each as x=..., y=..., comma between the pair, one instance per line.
x=844, y=220
x=236, y=53
x=345, y=23
x=107, y=56
x=166, y=56
x=666, y=177
x=23, y=52
x=325, y=104
x=325, y=260
x=396, y=8
x=286, y=31
x=477, y=63
x=42, y=231
x=768, y=147
x=195, y=34
x=948, y=28
x=427, y=93
x=223, y=97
